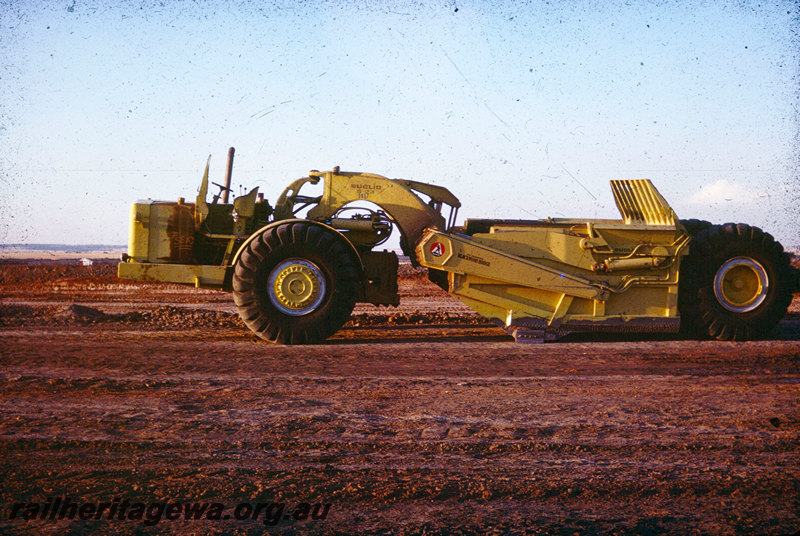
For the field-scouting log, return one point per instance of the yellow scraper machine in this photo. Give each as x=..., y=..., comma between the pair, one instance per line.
x=296, y=270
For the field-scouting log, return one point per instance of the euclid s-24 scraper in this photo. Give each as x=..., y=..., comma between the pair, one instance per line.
x=295, y=280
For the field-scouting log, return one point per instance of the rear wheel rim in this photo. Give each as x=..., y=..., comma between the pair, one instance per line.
x=296, y=287
x=741, y=284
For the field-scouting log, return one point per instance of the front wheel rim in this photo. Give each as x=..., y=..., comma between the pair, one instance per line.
x=296, y=287
x=741, y=284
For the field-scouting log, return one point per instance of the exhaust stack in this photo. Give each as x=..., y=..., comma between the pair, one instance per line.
x=228, y=174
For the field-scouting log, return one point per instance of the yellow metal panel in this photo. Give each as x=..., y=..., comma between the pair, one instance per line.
x=640, y=202
x=599, y=308
x=464, y=255
x=497, y=303
x=139, y=235
x=560, y=311
x=187, y=274
x=520, y=300
x=200, y=207
x=542, y=244
x=518, y=272
x=640, y=301
x=407, y=209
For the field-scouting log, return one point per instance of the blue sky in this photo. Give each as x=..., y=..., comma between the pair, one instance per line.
x=522, y=109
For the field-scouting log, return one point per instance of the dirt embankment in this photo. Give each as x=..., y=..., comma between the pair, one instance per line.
x=61, y=294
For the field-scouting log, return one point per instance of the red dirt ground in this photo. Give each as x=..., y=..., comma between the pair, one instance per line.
x=419, y=420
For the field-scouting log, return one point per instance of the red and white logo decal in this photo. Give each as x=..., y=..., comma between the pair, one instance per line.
x=437, y=249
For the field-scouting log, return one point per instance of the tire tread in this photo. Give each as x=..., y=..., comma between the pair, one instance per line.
x=290, y=239
x=701, y=313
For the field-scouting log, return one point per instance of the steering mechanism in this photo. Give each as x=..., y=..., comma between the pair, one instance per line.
x=222, y=188
x=365, y=230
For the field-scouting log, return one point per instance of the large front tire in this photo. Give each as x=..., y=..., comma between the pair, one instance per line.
x=736, y=284
x=296, y=283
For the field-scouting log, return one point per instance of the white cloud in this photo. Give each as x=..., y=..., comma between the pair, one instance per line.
x=724, y=191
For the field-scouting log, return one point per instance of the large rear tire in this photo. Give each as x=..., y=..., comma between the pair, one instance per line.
x=735, y=284
x=296, y=283
x=694, y=226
